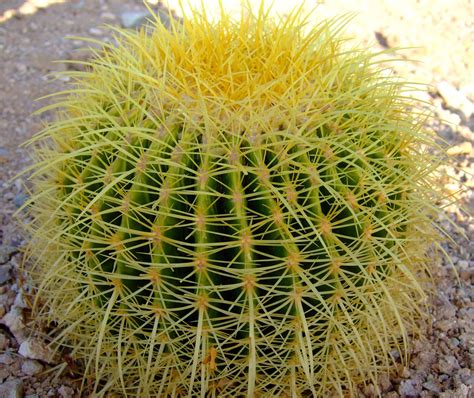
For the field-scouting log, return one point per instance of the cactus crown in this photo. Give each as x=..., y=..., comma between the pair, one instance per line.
x=232, y=207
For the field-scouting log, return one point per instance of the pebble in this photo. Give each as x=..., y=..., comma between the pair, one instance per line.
x=405, y=373
x=11, y=389
x=466, y=376
x=20, y=199
x=6, y=359
x=133, y=19
x=20, y=300
x=409, y=388
x=65, y=392
x=432, y=385
x=4, y=373
x=35, y=349
x=449, y=117
x=445, y=325
x=5, y=273
x=455, y=99
x=464, y=148
x=461, y=392
x=13, y=320
x=108, y=16
x=6, y=251
x=447, y=364
x=31, y=367
x=96, y=32
x=384, y=382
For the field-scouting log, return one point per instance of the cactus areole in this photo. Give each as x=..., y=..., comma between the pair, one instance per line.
x=232, y=208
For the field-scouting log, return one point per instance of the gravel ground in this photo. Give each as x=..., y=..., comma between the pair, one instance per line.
x=32, y=36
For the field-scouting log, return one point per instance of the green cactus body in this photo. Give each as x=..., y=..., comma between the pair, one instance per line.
x=232, y=209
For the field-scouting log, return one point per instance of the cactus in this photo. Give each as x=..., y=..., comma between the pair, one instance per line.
x=232, y=208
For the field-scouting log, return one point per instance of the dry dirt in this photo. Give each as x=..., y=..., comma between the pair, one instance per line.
x=32, y=37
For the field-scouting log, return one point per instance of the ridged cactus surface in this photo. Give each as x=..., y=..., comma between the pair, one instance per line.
x=232, y=208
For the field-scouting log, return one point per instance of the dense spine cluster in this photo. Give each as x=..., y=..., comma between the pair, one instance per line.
x=237, y=208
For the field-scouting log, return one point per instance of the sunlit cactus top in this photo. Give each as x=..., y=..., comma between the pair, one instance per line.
x=232, y=208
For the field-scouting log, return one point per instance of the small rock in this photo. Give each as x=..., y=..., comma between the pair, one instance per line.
x=409, y=389
x=96, y=32
x=11, y=389
x=13, y=320
x=66, y=392
x=466, y=275
x=455, y=99
x=454, y=342
x=432, y=385
x=31, y=367
x=395, y=354
x=461, y=149
x=405, y=373
x=3, y=342
x=371, y=391
x=447, y=364
x=384, y=382
x=4, y=373
x=133, y=19
x=445, y=325
x=466, y=376
x=6, y=251
x=108, y=16
x=450, y=117
x=461, y=392
x=20, y=300
x=20, y=199
x=6, y=359
x=5, y=273
x=35, y=349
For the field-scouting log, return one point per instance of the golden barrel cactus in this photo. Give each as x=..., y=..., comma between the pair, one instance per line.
x=232, y=208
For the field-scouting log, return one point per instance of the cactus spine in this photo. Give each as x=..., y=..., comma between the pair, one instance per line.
x=239, y=208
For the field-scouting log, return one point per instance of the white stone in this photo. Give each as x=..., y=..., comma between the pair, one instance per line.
x=6, y=359
x=20, y=300
x=35, y=349
x=96, y=32
x=13, y=320
x=31, y=367
x=463, y=148
x=455, y=99
x=11, y=389
x=66, y=392
x=133, y=19
x=108, y=16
